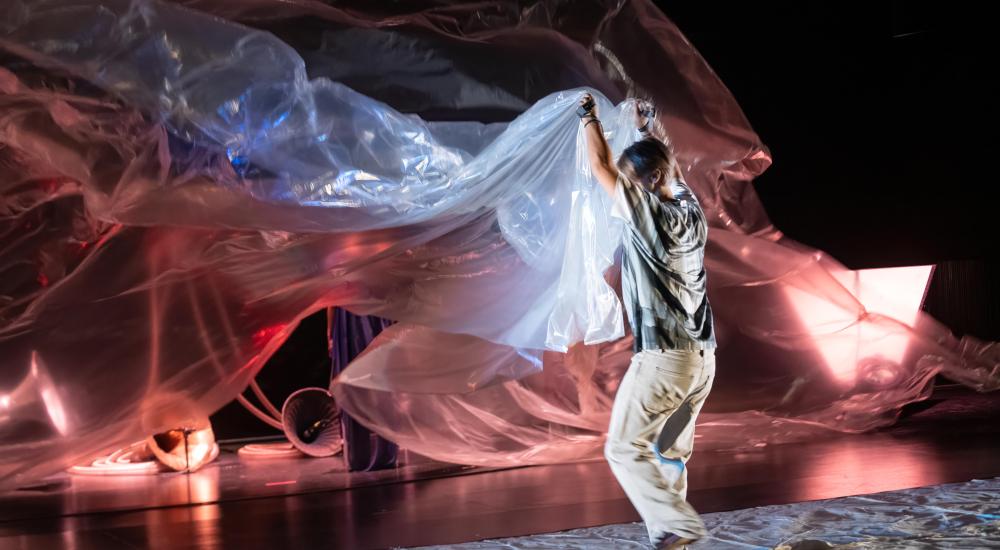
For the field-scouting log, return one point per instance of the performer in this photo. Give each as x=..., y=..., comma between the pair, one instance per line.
x=651, y=433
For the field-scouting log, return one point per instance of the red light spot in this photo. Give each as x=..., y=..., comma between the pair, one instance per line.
x=264, y=335
x=43, y=280
x=273, y=483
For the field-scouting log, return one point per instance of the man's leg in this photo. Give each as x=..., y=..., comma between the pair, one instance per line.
x=675, y=442
x=651, y=434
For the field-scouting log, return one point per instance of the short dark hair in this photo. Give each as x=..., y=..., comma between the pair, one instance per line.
x=645, y=156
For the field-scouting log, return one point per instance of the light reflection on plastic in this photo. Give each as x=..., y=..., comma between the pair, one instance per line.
x=263, y=336
x=842, y=341
x=36, y=386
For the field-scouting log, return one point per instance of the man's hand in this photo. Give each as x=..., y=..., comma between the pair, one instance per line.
x=645, y=113
x=587, y=107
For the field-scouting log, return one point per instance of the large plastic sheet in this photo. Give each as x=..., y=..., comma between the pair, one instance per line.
x=956, y=515
x=180, y=184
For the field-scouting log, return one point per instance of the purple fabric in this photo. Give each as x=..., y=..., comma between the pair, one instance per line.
x=350, y=334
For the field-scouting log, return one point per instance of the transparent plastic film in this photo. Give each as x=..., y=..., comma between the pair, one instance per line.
x=182, y=182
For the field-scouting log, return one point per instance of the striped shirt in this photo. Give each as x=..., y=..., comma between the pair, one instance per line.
x=664, y=284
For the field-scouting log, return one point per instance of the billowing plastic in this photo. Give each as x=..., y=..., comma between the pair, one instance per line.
x=177, y=190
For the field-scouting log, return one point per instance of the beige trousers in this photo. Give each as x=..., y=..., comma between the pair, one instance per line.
x=651, y=436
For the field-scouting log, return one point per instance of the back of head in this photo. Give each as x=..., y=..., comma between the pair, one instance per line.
x=642, y=159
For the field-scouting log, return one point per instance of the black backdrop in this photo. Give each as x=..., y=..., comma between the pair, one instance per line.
x=881, y=118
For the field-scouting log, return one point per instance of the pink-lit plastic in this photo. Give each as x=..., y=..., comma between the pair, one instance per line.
x=179, y=186
x=853, y=350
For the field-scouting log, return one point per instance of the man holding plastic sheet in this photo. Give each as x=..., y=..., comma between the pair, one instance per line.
x=651, y=433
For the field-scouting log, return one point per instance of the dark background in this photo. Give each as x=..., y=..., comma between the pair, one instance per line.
x=881, y=118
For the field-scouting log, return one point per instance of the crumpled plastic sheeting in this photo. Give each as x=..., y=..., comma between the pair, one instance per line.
x=179, y=185
x=954, y=516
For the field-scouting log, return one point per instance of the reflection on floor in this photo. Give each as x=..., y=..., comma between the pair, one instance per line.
x=314, y=504
x=229, y=478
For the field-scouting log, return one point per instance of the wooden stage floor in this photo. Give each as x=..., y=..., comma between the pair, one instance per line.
x=953, y=437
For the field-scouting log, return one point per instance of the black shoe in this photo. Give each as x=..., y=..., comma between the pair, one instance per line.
x=674, y=542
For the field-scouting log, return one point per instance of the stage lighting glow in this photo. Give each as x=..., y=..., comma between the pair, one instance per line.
x=855, y=351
